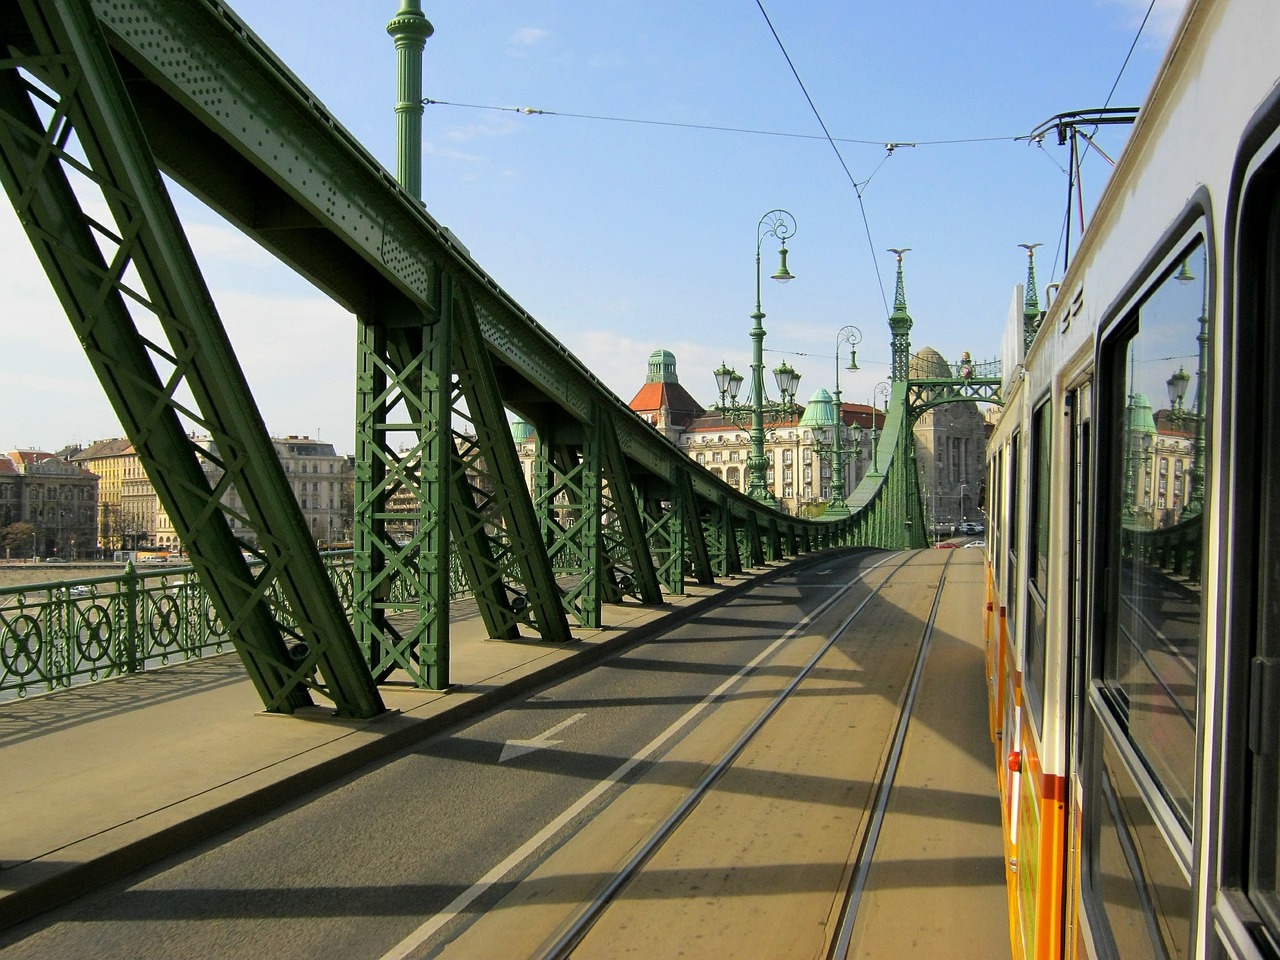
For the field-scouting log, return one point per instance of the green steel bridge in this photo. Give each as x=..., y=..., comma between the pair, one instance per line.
x=97, y=98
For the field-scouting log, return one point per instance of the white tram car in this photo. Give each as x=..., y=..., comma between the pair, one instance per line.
x=1133, y=628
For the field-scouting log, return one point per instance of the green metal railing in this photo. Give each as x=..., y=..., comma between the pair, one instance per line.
x=56, y=634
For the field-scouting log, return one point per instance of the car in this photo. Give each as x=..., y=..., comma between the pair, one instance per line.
x=969, y=528
x=55, y=560
x=978, y=544
x=945, y=545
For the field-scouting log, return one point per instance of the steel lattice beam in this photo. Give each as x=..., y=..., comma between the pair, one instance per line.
x=151, y=332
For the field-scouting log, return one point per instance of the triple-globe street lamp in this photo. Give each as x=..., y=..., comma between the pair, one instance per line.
x=781, y=225
x=838, y=507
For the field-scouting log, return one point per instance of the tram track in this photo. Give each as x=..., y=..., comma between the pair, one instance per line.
x=669, y=833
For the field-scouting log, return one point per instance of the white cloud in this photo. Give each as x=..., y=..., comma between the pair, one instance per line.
x=528, y=36
x=1160, y=25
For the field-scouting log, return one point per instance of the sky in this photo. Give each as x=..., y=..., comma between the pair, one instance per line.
x=625, y=217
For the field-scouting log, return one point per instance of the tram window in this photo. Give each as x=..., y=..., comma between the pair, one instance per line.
x=1038, y=563
x=1011, y=568
x=1264, y=830
x=997, y=518
x=1151, y=663
x=1143, y=728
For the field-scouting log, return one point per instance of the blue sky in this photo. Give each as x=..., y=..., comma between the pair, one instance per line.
x=625, y=237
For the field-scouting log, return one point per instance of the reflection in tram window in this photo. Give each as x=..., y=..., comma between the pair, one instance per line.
x=1153, y=633
x=1144, y=745
x=1036, y=636
x=1143, y=890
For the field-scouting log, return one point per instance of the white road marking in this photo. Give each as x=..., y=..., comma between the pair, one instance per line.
x=527, y=849
x=517, y=748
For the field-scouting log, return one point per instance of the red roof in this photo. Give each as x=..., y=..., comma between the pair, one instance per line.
x=654, y=396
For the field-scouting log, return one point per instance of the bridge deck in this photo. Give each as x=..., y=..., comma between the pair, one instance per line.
x=104, y=779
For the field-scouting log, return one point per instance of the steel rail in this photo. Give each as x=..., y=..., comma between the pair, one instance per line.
x=580, y=926
x=884, y=785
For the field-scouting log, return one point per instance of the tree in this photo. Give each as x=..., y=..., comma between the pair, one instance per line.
x=21, y=538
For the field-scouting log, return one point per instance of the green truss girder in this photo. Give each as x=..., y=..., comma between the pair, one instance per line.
x=590, y=520
x=925, y=394
x=401, y=576
x=631, y=568
x=568, y=498
x=503, y=507
x=698, y=550
x=137, y=301
x=664, y=529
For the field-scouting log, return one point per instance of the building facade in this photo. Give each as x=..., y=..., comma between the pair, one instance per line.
x=48, y=506
x=127, y=503
x=798, y=443
x=951, y=454
x=130, y=515
x=320, y=479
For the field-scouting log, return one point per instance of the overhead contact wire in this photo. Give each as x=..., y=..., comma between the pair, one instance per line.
x=866, y=225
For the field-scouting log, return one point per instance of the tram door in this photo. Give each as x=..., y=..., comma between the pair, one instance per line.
x=1079, y=403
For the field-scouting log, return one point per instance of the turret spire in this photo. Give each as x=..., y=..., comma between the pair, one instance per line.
x=900, y=324
x=1031, y=313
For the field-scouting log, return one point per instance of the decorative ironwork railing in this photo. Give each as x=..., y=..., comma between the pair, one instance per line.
x=53, y=635
x=931, y=366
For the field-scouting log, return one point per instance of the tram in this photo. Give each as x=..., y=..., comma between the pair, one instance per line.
x=1133, y=558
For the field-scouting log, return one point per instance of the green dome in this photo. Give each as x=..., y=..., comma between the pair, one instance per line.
x=820, y=411
x=1141, y=419
x=662, y=367
x=521, y=431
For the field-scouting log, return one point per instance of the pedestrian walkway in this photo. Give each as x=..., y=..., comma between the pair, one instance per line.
x=102, y=779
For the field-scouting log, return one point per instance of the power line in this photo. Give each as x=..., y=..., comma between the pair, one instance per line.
x=1133, y=46
x=889, y=145
x=1089, y=144
x=857, y=191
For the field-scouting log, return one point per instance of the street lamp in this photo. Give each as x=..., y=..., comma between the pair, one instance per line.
x=780, y=225
x=838, y=507
x=1195, y=483
x=963, y=488
x=882, y=389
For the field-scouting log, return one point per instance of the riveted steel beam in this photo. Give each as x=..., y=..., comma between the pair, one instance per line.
x=132, y=290
x=404, y=471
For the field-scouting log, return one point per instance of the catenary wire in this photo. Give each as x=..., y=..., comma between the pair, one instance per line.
x=866, y=223
x=889, y=145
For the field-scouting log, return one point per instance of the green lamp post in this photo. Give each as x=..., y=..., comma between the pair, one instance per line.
x=839, y=508
x=781, y=225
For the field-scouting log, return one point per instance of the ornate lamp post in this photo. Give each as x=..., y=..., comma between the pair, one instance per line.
x=839, y=508
x=882, y=390
x=780, y=225
x=1195, y=483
